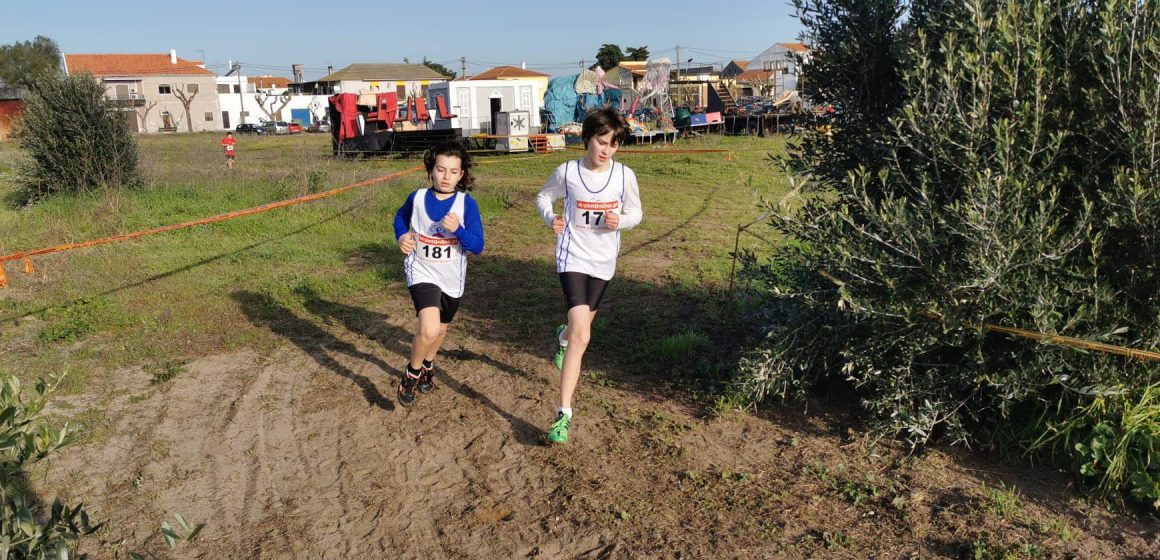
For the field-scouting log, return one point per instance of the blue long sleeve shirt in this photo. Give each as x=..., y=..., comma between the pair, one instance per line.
x=470, y=232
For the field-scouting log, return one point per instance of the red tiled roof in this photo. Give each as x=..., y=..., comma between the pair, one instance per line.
x=500, y=72
x=741, y=63
x=269, y=81
x=755, y=76
x=132, y=65
x=796, y=47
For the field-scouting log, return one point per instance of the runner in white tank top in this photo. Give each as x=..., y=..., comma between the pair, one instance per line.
x=438, y=258
x=601, y=198
x=435, y=228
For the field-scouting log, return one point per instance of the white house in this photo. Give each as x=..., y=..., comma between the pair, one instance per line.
x=774, y=71
x=476, y=102
x=254, y=99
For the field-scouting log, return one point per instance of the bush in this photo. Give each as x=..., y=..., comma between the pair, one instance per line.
x=1017, y=184
x=27, y=529
x=76, y=141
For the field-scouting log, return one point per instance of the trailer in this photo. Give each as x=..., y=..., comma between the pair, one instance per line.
x=375, y=123
x=474, y=105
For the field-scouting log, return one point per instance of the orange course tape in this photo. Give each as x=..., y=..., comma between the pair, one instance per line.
x=219, y=218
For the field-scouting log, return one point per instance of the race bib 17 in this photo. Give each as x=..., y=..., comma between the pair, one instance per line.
x=590, y=215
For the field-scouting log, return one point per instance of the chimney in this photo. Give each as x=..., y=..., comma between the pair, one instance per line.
x=296, y=70
x=329, y=69
x=173, y=56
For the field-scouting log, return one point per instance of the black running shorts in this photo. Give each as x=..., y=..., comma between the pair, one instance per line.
x=429, y=295
x=582, y=289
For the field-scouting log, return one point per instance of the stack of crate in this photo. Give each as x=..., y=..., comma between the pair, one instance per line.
x=545, y=143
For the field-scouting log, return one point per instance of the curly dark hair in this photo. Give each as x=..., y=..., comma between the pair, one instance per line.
x=452, y=148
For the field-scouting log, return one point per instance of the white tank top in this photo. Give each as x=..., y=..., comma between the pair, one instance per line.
x=438, y=257
x=587, y=244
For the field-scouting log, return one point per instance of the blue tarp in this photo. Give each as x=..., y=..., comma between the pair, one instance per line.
x=560, y=100
x=567, y=106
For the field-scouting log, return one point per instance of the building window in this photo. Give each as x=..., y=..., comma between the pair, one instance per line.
x=164, y=89
x=208, y=116
x=223, y=88
x=401, y=92
x=191, y=88
x=237, y=88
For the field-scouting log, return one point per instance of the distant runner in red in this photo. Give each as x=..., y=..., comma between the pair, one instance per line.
x=228, y=142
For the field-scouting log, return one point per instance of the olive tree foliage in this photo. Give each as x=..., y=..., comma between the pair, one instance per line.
x=991, y=163
x=28, y=528
x=75, y=139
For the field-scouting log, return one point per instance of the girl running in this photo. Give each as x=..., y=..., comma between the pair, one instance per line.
x=434, y=228
x=601, y=198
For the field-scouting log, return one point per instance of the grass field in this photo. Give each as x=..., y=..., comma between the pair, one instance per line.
x=242, y=373
x=167, y=297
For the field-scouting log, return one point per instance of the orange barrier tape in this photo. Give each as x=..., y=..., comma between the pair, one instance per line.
x=677, y=151
x=28, y=269
x=1060, y=340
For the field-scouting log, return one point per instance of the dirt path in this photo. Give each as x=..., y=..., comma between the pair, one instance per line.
x=302, y=452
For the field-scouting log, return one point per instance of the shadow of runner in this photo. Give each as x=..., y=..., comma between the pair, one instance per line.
x=525, y=433
x=374, y=325
x=263, y=310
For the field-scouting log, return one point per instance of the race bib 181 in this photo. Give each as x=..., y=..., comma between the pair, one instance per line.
x=437, y=250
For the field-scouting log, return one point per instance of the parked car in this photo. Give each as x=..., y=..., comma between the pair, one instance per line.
x=294, y=128
x=320, y=126
x=247, y=128
x=276, y=127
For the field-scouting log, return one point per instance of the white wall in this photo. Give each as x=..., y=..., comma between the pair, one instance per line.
x=471, y=101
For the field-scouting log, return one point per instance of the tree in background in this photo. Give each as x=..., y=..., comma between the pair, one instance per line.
x=75, y=140
x=439, y=68
x=992, y=162
x=864, y=43
x=636, y=53
x=184, y=94
x=22, y=62
x=609, y=56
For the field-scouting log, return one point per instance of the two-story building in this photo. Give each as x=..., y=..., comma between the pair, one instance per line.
x=774, y=71
x=157, y=92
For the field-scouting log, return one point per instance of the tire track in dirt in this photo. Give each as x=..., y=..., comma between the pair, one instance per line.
x=290, y=455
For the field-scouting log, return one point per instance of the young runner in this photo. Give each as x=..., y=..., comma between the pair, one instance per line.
x=436, y=227
x=601, y=198
x=228, y=142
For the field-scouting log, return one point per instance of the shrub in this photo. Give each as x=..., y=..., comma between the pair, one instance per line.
x=1017, y=184
x=27, y=529
x=76, y=141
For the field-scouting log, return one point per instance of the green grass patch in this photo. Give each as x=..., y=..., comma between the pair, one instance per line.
x=230, y=285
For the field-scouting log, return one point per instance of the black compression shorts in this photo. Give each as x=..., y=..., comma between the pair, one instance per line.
x=582, y=289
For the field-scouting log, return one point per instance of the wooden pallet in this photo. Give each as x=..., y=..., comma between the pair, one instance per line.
x=539, y=143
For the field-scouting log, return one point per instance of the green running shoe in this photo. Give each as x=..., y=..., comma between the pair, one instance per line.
x=559, y=359
x=558, y=433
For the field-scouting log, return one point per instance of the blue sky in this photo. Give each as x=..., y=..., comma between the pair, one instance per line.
x=269, y=36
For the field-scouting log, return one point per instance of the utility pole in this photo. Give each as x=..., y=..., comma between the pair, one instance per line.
x=678, y=64
x=463, y=67
x=241, y=98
